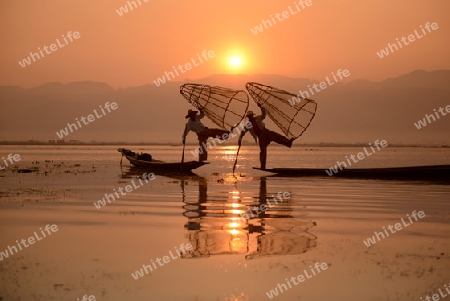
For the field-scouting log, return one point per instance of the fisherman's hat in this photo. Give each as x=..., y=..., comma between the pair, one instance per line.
x=250, y=113
x=190, y=112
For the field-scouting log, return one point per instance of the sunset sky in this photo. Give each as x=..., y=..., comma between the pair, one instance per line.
x=139, y=46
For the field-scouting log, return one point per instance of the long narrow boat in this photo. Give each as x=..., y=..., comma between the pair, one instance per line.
x=425, y=173
x=158, y=166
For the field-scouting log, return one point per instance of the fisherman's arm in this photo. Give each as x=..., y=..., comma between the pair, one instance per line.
x=202, y=114
x=263, y=112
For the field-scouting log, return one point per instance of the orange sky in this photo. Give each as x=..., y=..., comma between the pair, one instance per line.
x=136, y=48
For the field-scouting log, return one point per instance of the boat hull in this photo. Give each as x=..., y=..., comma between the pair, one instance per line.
x=425, y=173
x=166, y=166
x=161, y=167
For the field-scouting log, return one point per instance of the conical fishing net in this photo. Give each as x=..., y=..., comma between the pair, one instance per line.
x=225, y=107
x=291, y=114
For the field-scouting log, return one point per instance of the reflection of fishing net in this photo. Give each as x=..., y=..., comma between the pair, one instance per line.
x=211, y=242
x=293, y=119
x=225, y=107
x=290, y=237
x=283, y=243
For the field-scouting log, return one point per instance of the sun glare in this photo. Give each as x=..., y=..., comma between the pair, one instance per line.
x=235, y=61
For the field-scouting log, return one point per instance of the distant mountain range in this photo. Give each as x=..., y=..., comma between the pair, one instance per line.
x=355, y=112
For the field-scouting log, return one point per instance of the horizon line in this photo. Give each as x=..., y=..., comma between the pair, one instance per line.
x=218, y=74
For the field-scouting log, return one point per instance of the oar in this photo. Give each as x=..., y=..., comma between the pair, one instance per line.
x=235, y=161
x=182, y=156
x=121, y=151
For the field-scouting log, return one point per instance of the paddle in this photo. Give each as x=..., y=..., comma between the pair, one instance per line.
x=235, y=161
x=182, y=156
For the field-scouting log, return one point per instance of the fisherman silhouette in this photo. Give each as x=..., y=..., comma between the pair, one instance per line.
x=265, y=136
x=195, y=125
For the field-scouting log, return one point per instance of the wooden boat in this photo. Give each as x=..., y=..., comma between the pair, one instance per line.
x=160, y=167
x=424, y=173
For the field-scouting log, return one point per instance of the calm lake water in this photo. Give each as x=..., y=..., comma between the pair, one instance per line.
x=324, y=220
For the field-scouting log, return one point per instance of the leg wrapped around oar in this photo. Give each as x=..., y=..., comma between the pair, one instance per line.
x=216, y=133
x=203, y=149
x=272, y=136
x=203, y=138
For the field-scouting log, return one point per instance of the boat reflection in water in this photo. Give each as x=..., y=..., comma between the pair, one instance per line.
x=215, y=226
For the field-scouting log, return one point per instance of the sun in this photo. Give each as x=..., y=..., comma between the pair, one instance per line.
x=235, y=61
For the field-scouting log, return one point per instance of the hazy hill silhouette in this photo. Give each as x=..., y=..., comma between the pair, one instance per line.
x=358, y=111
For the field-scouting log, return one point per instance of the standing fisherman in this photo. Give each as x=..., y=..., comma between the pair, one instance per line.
x=194, y=124
x=265, y=136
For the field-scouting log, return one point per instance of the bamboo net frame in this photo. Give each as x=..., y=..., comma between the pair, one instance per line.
x=293, y=119
x=225, y=107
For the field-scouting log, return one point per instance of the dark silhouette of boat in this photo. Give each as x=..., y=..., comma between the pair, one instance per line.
x=420, y=173
x=157, y=166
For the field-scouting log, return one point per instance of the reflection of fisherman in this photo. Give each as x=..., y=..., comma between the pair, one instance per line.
x=194, y=124
x=264, y=135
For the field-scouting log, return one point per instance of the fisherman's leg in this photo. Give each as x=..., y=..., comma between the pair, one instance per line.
x=280, y=139
x=203, y=150
x=213, y=133
x=263, y=143
x=204, y=156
